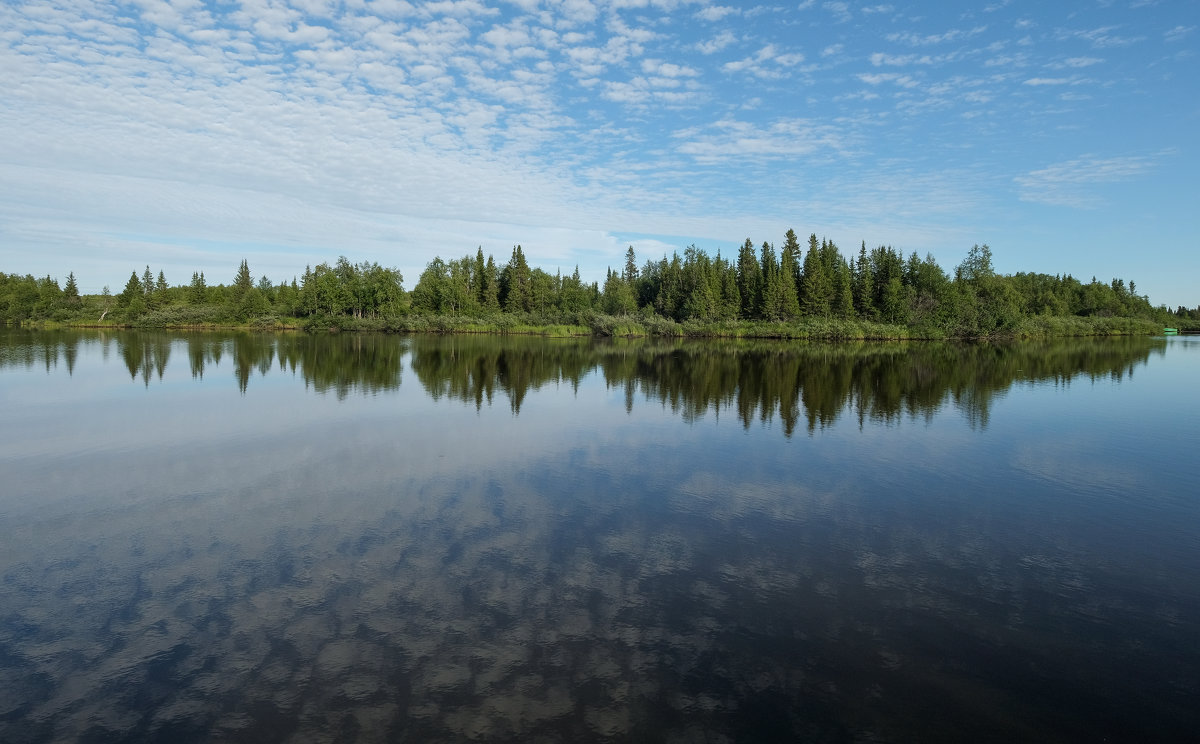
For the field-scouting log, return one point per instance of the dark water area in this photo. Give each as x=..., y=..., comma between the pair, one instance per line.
x=256, y=538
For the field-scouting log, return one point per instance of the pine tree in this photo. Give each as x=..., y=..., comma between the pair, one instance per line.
x=479, y=279
x=516, y=291
x=843, y=291
x=750, y=279
x=491, y=290
x=243, y=282
x=197, y=290
x=789, y=308
x=816, y=286
x=71, y=291
x=631, y=269
x=864, y=285
x=132, y=298
x=776, y=287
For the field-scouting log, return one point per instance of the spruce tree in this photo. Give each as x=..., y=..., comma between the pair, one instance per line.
x=749, y=274
x=864, y=285
x=243, y=282
x=491, y=290
x=816, y=286
x=631, y=269
x=516, y=292
x=843, y=291
x=791, y=247
x=789, y=307
x=71, y=291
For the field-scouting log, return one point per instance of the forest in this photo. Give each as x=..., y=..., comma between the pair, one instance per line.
x=796, y=291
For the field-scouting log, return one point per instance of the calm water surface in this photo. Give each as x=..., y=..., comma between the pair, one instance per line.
x=254, y=538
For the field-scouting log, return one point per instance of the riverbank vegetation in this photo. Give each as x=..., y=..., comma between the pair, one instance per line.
x=761, y=292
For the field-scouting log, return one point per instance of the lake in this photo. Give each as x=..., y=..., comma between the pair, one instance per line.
x=253, y=537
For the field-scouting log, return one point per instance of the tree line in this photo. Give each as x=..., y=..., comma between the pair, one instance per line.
x=791, y=283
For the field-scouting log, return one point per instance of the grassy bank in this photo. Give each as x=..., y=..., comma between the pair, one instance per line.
x=208, y=317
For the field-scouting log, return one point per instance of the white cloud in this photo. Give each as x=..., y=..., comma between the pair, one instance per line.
x=1066, y=183
x=1078, y=62
x=714, y=13
x=1102, y=37
x=879, y=59
x=1039, y=81
x=840, y=10
x=915, y=39
x=667, y=69
x=1179, y=33
x=878, y=78
x=742, y=141
x=768, y=62
x=717, y=43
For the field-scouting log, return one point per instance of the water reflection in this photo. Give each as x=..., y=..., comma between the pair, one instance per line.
x=586, y=585
x=799, y=384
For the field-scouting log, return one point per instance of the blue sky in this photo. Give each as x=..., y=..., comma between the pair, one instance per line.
x=187, y=135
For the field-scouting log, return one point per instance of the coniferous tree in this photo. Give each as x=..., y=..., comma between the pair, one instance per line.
x=774, y=303
x=516, y=290
x=791, y=247
x=864, y=285
x=631, y=269
x=491, y=288
x=787, y=306
x=243, y=282
x=197, y=290
x=133, y=298
x=750, y=280
x=816, y=286
x=731, y=299
x=618, y=295
x=843, y=291
x=71, y=290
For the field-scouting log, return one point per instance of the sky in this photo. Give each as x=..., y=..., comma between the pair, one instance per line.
x=189, y=134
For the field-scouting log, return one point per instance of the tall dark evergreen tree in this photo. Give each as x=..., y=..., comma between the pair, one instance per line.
x=491, y=288
x=843, y=291
x=71, y=290
x=750, y=281
x=631, y=269
x=516, y=290
x=816, y=286
x=864, y=285
x=791, y=247
x=787, y=304
x=197, y=290
x=243, y=282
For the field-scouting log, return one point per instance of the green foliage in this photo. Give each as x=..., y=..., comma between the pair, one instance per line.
x=816, y=283
x=516, y=290
x=880, y=294
x=749, y=281
x=243, y=281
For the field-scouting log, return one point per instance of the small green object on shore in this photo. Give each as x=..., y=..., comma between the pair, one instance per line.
x=1170, y=331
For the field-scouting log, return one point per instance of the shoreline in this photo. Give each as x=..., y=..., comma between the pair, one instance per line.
x=602, y=326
